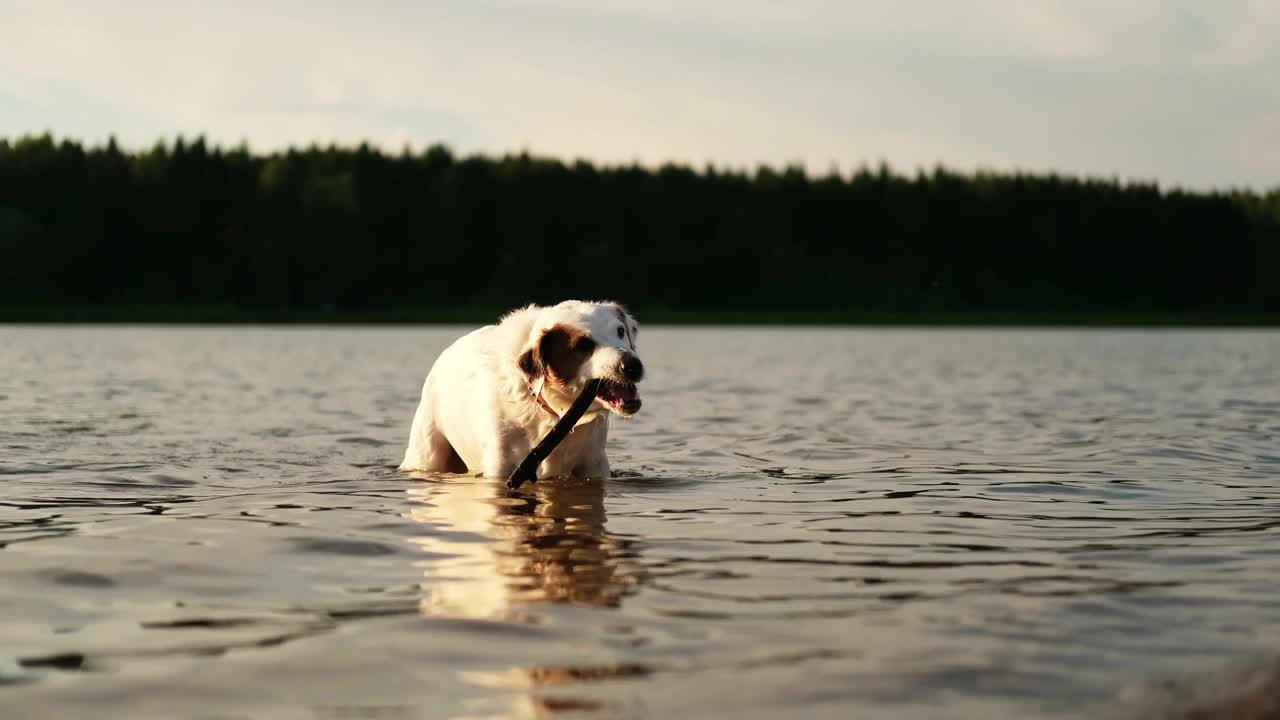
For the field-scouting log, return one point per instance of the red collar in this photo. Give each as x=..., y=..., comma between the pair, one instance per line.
x=538, y=397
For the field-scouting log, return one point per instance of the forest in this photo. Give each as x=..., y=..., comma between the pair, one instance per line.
x=187, y=231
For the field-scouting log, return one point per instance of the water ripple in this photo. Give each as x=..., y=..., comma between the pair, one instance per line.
x=1003, y=524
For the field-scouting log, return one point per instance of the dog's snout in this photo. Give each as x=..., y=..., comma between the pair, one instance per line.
x=632, y=368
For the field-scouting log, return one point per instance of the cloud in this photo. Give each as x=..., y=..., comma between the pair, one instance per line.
x=1146, y=88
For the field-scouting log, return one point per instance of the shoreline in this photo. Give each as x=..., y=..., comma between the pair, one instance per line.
x=652, y=316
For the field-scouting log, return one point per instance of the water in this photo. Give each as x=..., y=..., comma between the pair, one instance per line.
x=810, y=523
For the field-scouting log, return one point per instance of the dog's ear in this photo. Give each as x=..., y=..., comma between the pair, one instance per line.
x=560, y=353
x=529, y=365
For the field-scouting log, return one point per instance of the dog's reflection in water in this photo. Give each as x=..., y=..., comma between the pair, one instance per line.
x=500, y=549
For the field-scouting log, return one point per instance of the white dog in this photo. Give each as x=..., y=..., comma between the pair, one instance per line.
x=492, y=395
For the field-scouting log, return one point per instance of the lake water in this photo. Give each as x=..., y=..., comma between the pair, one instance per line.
x=207, y=523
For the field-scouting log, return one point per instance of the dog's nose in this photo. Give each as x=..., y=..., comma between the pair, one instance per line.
x=632, y=368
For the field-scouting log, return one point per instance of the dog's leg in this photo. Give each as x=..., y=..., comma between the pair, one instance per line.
x=596, y=466
x=594, y=462
x=429, y=450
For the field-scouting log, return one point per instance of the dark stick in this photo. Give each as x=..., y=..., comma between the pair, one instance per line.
x=528, y=468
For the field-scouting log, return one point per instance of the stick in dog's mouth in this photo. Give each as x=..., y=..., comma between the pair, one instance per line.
x=527, y=470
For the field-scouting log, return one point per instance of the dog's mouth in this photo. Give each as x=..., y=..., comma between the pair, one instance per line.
x=622, y=398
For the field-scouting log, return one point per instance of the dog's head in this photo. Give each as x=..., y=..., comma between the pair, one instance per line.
x=574, y=342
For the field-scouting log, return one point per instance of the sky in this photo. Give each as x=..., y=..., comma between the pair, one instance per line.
x=1181, y=92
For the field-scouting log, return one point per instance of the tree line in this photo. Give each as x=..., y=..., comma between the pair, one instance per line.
x=189, y=230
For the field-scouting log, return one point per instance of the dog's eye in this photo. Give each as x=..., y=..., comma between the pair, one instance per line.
x=621, y=333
